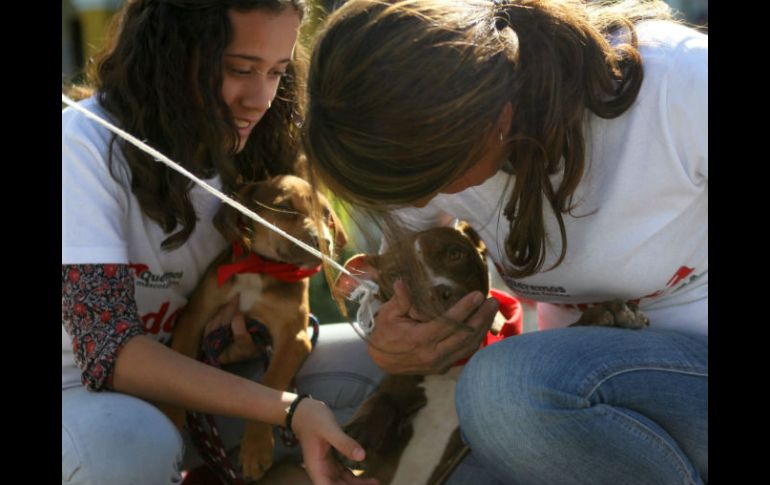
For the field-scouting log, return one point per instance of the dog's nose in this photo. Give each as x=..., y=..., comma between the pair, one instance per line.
x=444, y=294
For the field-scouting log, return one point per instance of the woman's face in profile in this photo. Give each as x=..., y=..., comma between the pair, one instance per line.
x=490, y=162
x=254, y=62
x=496, y=152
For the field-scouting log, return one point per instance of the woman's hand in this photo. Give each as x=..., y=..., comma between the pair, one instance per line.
x=243, y=347
x=403, y=344
x=318, y=431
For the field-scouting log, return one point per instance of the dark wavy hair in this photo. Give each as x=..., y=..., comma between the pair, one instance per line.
x=161, y=77
x=403, y=94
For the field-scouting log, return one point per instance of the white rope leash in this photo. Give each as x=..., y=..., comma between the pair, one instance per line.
x=368, y=288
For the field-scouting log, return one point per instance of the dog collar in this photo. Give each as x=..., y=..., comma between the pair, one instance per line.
x=252, y=263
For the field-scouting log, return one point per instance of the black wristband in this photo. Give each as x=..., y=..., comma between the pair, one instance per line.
x=292, y=408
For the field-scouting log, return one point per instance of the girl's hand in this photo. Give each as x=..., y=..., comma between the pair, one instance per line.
x=243, y=347
x=403, y=344
x=318, y=431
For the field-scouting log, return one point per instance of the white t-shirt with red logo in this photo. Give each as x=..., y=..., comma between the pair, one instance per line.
x=103, y=223
x=642, y=230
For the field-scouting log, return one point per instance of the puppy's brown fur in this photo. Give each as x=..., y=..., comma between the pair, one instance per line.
x=285, y=201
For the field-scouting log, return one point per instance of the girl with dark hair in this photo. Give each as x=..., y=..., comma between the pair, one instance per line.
x=216, y=86
x=572, y=136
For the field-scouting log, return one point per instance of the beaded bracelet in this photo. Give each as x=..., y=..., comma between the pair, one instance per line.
x=292, y=408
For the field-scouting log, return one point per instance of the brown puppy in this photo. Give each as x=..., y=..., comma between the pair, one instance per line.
x=282, y=306
x=409, y=426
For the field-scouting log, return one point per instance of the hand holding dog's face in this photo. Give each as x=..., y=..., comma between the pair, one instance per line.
x=449, y=265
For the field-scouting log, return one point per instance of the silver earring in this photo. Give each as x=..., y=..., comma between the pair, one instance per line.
x=270, y=103
x=501, y=136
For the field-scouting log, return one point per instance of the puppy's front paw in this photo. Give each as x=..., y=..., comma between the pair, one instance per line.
x=256, y=450
x=615, y=313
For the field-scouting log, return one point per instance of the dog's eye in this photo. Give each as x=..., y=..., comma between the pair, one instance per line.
x=455, y=253
x=285, y=209
x=327, y=213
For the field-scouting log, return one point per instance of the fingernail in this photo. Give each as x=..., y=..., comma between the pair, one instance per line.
x=477, y=298
x=358, y=454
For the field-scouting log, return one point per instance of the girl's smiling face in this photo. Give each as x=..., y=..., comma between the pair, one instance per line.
x=254, y=62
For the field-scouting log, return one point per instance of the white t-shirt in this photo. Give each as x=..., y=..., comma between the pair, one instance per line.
x=103, y=223
x=647, y=180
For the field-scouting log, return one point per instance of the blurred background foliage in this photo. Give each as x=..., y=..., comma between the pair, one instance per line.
x=83, y=29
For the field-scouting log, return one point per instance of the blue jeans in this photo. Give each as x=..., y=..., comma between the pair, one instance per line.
x=586, y=405
x=114, y=438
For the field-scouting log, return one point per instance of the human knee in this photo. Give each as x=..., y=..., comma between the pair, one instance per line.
x=482, y=402
x=133, y=443
x=511, y=388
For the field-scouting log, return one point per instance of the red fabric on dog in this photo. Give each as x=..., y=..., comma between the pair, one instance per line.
x=254, y=264
x=514, y=314
x=511, y=309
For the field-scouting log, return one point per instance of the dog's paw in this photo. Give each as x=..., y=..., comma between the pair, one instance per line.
x=256, y=454
x=357, y=430
x=374, y=427
x=615, y=313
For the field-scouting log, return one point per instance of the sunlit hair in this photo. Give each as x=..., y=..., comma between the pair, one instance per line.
x=160, y=76
x=405, y=95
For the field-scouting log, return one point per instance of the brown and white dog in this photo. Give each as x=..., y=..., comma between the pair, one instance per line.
x=285, y=201
x=409, y=426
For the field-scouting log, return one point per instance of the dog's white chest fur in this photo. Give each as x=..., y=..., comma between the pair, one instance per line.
x=433, y=426
x=250, y=288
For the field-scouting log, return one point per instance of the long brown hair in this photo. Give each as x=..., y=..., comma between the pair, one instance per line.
x=161, y=77
x=403, y=93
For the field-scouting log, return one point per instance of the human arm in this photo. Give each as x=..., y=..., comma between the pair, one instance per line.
x=151, y=370
x=99, y=314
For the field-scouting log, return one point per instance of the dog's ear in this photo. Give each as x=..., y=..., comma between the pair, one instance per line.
x=336, y=227
x=361, y=265
x=228, y=222
x=334, y=224
x=231, y=224
x=471, y=234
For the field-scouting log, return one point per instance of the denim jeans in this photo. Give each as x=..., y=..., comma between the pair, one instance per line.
x=586, y=405
x=114, y=438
